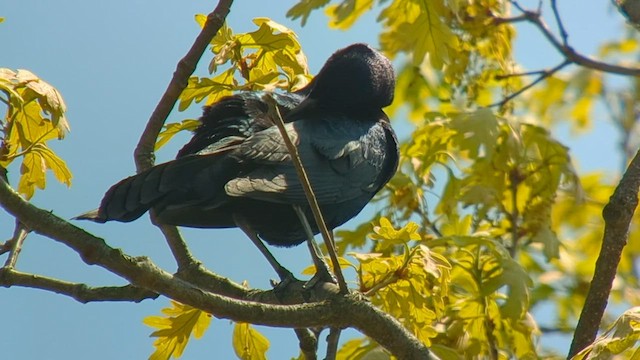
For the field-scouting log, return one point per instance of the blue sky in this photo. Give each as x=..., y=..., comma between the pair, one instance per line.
x=112, y=61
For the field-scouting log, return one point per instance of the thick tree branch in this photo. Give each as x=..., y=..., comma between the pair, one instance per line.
x=617, y=216
x=80, y=292
x=340, y=311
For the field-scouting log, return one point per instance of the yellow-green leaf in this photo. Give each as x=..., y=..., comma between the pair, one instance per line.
x=170, y=130
x=33, y=174
x=345, y=14
x=386, y=232
x=304, y=8
x=344, y=264
x=175, y=329
x=55, y=164
x=248, y=343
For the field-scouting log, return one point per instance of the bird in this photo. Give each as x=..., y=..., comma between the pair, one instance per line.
x=236, y=170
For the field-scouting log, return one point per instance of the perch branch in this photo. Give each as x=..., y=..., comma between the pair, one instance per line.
x=339, y=311
x=617, y=216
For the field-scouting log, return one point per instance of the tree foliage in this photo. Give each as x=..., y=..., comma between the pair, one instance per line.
x=34, y=115
x=487, y=222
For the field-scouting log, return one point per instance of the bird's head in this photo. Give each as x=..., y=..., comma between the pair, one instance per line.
x=355, y=77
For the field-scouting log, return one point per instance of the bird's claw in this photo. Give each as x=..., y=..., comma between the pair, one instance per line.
x=322, y=275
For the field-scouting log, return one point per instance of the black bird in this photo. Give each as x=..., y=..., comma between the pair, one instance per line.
x=237, y=172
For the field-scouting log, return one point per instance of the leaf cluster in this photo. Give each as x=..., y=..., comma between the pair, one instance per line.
x=181, y=321
x=35, y=114
x=268, y=58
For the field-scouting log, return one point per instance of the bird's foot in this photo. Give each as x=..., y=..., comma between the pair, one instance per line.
x=286, y=279
x=322, y=275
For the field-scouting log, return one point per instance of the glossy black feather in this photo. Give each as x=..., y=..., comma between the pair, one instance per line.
x=237, y=163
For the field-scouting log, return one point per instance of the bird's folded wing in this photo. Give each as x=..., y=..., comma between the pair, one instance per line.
x=341, y=163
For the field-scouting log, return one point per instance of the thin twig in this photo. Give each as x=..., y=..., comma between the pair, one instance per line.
x=332, y=343
x=20, y=233
x=311, y=198
x=80, y=292
x=617, y=216
x=144, y=154
x=517, y=5
x=509, y=20
x=563, y=47
x=544, y=74
x=571, y=55
x=563, y=31
x=514, y=214
x=528, y=73
x=5, y=247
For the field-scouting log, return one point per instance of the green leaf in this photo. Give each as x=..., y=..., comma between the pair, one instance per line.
x=175, y=329
x=344, y=15
x=33, y=174
x=418, y=28
x=55, y=164
x=214, y=89
x=621, y=337
x=170, y=130
x=35, y=115
x=248, y=343
x=477, y=132
x=361, y=349
x=304, y=8
x=387, y=236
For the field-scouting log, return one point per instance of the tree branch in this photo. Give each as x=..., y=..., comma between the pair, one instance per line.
x=144, y=154
x=308, y=343
x=543, y=75
x=617, y=215
x=14, y=245
x=563, y=31
x=340, y=311
x=332, y=343
x=81, y=292
x=571, y=55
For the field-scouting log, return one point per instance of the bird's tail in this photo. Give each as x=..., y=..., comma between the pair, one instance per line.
x=162, y=185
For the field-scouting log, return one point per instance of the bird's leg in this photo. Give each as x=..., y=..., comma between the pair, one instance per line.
x=322, y=269
x=285, y=275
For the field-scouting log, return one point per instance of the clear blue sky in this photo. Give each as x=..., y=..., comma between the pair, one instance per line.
x=112, y=61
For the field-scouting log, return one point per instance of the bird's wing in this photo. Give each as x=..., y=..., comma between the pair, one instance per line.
x=343, y=161
x=235, y=117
